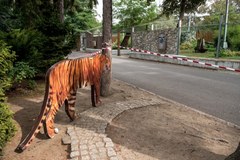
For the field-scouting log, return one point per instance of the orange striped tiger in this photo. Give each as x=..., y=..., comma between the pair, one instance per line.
x=62, y=81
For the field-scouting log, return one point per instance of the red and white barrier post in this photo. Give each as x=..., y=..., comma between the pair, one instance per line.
x=183, y=59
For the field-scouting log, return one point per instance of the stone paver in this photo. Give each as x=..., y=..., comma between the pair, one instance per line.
x=88, y=138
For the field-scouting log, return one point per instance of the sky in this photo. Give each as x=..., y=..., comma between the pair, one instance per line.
x=99, y=8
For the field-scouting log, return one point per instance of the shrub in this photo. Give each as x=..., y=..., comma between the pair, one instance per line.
x=188, y=45
x=22, y=72
x=210, y=47
x=6, y=124
x=41, y=47
x=28, y=45
x=233, y=38
x=6, y=63
x=7, y=128
x=229, y=53
x=188, y=37
x=56, y=45
x=188, y=41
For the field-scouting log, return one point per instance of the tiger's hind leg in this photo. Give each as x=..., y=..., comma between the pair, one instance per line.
x=48, y=123
x=49, y=128
x=70, y=105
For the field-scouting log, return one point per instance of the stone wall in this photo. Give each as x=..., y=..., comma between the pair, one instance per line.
x=89, y=40
x=149, y=40
x=97, y=42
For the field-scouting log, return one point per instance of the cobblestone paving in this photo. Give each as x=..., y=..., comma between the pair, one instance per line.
x=87, y=137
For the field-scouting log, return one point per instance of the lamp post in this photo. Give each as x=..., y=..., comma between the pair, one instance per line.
x=179, y=35
x=225, y=45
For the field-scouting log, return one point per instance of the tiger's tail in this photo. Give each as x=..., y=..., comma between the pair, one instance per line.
x=39, y=122
x=35, y=129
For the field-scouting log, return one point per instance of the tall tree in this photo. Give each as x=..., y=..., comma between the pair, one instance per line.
x=134, y=12
x=60, y=4
x=92, y=3
x=80, y=17
x=107, y=43
x=180, y=7
x=218, y=7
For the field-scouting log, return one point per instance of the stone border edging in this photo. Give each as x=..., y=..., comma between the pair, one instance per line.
x=88, y=138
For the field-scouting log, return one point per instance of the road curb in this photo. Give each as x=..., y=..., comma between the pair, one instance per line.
x=185, y=106
x=210, y=63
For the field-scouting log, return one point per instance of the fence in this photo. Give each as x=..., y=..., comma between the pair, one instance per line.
x=198, y=33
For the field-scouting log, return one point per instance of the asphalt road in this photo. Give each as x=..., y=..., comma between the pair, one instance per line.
x=213, y=92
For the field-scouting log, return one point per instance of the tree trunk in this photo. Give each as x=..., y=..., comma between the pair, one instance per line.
x=61, y=10
x=182, y=9
x=179, y=25
x=59, y=6
x=235, y=155
x=107, y=43
x=181, y=14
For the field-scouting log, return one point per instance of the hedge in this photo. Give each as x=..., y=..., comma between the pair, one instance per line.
x=7, y=128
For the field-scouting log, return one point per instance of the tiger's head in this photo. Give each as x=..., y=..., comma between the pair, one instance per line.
x=105, y=63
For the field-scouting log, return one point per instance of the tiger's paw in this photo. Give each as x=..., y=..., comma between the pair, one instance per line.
x=49, y=128
x=98, y=103
x=56, y=130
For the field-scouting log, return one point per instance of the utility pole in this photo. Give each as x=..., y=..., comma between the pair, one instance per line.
x=219, y=36
x=189, y=22
x=179, y=35
x=225, y=45
x=118, y=43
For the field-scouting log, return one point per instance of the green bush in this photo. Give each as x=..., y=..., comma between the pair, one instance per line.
x=6, y=63
x=40, y=47
x=6, y=124
x=188, y=45
x=56, y=44
x=188, y=41
x=233, y=38
x=28, y=45
x=229, y=53
x=188, y=37
x=22, y=72
x=7, y=128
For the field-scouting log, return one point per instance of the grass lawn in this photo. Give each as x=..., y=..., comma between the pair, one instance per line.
x=191, y=53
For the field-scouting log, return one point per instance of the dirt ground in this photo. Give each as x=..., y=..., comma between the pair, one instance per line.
x=168, y=131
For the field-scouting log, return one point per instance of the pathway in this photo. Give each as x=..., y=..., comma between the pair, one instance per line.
x=88, y=139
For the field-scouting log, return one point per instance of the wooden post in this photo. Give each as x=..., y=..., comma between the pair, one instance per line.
x=107, y=43
x=78, y=42
x=118, y=41
x=219, y=37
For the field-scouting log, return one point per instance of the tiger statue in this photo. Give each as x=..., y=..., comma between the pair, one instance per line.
x=62, y=81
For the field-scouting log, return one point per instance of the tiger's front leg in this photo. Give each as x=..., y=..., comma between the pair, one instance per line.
x=70, y=105
x=97, y=94
x=93, y=99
